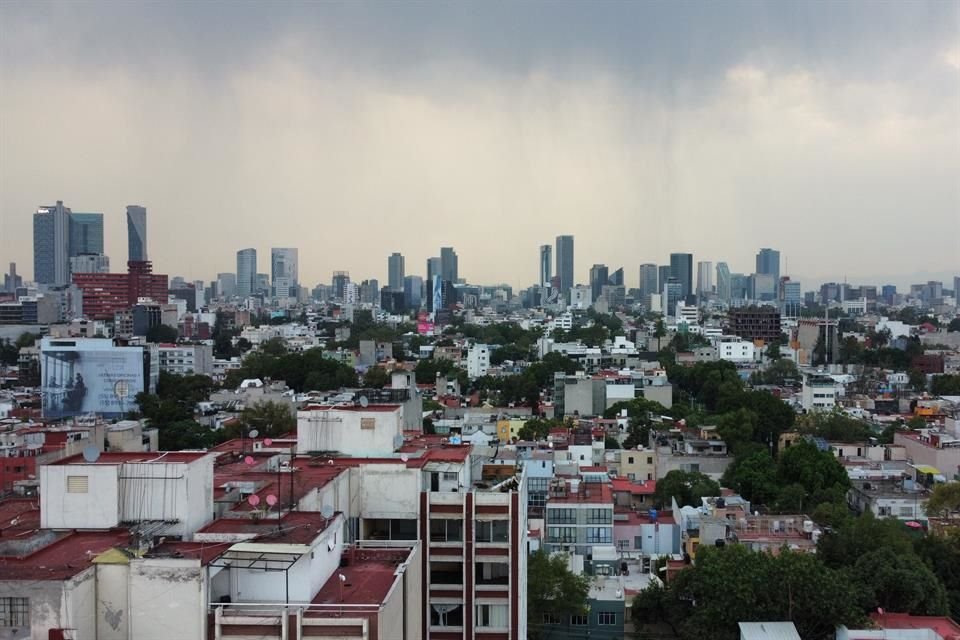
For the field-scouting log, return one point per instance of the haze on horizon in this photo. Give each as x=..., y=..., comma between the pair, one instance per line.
x=830, y=131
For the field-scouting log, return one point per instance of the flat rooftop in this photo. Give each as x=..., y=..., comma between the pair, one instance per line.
x=123, y=457
x=368, y=576
x=296, y=527
x=63, y=557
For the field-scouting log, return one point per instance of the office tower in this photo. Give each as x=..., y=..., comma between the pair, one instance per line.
x=889, y=291
x=433, y=272
x=956, y=290
x=412, y=292
x=246, y=272
x=768, y=263
x=284, y=271
x=704, y=279
x=616, y=278
x=227, y=285
x=136, y=232
x=724, y=283
x=672, y=294
x=564, y=250
x=739, y=286
x=86, y=234
x=546, y=265
x=90, y=263
x=599, y=276
x=763, y=287
x=648, y=281
x=370, y=292
x=395, y=272
x=51, y=244
x=11, y=281
x=262, y=284
x=681, y=268
x=791, y=297
x=663, y=274
x=340, y=281
x=448, y=264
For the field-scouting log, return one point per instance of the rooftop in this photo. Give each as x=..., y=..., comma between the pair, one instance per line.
x=295, y=527
x=944, y=627
x=586, y=493
x=368, y=575
x=123, y=457
x=64, y=557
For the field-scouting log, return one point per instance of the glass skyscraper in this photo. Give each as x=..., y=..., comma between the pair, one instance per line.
x=546, y=265
x=86, y=234
x=51, y=244
x=246, y=272
x=681, y=268
x=768, y=263
x=395, y=271
x=565, y=263
x=136, y=233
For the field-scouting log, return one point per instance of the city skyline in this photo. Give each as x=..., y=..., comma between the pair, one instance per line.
x=426, y=131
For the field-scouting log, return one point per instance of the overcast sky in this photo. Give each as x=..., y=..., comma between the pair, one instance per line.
x=829, y=130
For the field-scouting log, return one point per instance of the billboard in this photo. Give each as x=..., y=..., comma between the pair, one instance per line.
x=89, y=375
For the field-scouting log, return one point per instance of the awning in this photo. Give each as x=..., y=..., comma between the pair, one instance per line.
x=442, y=467
x=261, y=556
x=925, y=468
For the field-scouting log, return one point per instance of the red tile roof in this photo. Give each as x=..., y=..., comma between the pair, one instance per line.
x=368, y=577
x=66, y=556
x=943, y=626
x=646, y=488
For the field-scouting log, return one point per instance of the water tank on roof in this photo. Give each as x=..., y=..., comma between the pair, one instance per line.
x=808, y=526
x=653, y=515
x=574, y=486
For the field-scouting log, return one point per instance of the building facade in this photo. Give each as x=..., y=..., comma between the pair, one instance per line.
x=136, y=233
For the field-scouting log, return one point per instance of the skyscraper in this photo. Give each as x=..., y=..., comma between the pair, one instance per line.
x=284, y=272
x=616, y=278
x=51, y=244
x=663, y=274
x=681, y=268
x=136, y=232
x=565, y=263
x=246, y=272
x=395, y=272
x=768, y=263
x=227, y=285
x=704, y=279
x=599, y=276
x=723, y=282
x=412, y=292
x=546, y=265
x=449, y=269
x=86, y=234
x=648, y=282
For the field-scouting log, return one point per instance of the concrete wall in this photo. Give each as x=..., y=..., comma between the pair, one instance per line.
x=345, y=431
x=113, y=606
x=168, y=599
x=53, y=605
x=98, y=508
x=174, y=491
x=389, y=491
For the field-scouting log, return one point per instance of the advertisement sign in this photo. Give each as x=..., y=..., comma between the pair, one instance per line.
x=86, y=376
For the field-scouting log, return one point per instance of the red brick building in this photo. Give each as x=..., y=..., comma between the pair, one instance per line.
x=106, y=293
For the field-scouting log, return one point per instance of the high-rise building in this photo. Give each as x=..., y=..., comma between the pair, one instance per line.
x=704, y=279
x=284, y=271
x=768, y=263
x=246, y=272
x=681, y=268
x=888, y=292
x=663, y=274
x=370, y=292
x=340, y=281
x=672, y=294
x=616, y=278
x=395, y=272
x=648, y=281
x=51, y=245
x=226, y=285
x=262, y=284
x=956, y=290
x=136, y=232
x=599, y=276
x=90, y=263
x=449, y=269
x=412, y=292
x=724, y=283
x=565, y=271
x=86, y=234
x=763, y=287
x=546, y=265
x=11, y=281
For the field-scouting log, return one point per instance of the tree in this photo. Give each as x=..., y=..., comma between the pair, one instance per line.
x=955, y=323
x=537, y=429
x=554, y=590
x=835, y=426
x=9, y=353
x=26, y=339
x=737, y=428
x=376, y=378
x=687, y=487
x=269, y=418
x=609, y=442
x=754, y=477
x=773, y=351
x=185, y=434
x=818, y=473
x=780, y=371
x=841, y=546
x=161, y=333
x=944, y=501
x=941, y=554
x=918, y=380
x=898, y=582
x=946, y=385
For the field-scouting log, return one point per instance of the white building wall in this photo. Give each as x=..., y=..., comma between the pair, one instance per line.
x=113, y=607
x=351, y=432
x=168, y=599
x=478, y=360
x=79, y=609
x=97, y=508
x=389, y=491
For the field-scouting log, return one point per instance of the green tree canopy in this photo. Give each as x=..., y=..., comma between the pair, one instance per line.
x=269, y=418
x=687, y=487
x=552, y=589
x=944, y=501
x=376, y=377
x=754, y=477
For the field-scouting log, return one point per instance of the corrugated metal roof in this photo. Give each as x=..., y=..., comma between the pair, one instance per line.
x=768, y=631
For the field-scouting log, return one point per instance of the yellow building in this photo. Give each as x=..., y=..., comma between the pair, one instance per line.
x=508, y=429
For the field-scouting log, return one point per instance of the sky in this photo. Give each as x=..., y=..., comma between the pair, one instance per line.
x=828, y=130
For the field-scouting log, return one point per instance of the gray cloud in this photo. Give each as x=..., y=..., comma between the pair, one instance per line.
x=353, y=130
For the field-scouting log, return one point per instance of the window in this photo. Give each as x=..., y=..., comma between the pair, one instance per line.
x=623, y=545
x=599, y=516
x=490, y=573
x=649, y=460
x=368, y=423
x=562, y=516
x=446, y=530
x=77, y=484
x=492, y=531
x=606, y=618
x=906, y=511
x=14, y=612
x=599, y=535
x=451, y=476
x=638, y=542
x=446, y=615
x=630, y=460
x=492, y=615
x=549, y=618
x=578, y=621
x=561, y=535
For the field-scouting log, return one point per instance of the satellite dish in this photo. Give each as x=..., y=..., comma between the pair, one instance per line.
x=253, y=433
x=91, y=453
x=397, y=441
x=404, y=457
x=249, y=460
x=271, y=499
x=267, y=442
x=254, y=500
x=326, y=511
x=364, y=402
